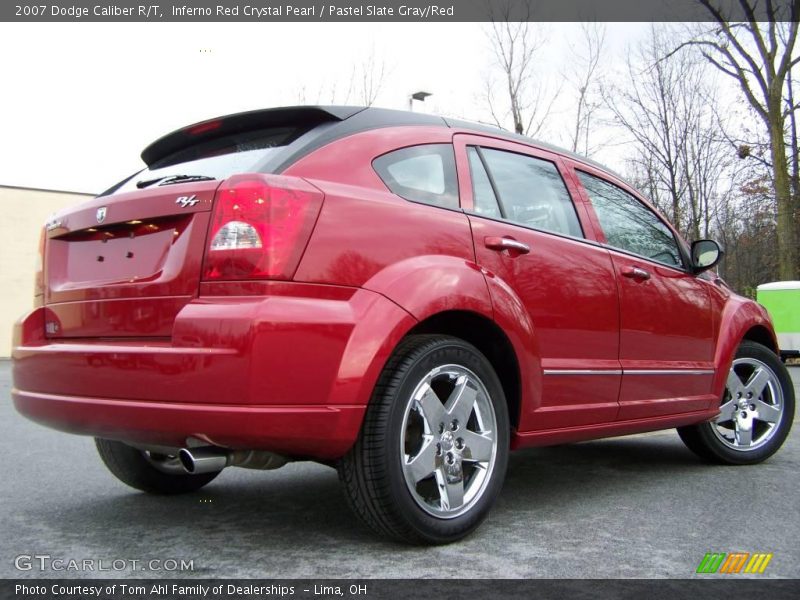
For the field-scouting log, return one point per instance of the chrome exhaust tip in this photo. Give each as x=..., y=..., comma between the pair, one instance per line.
x=205, y=459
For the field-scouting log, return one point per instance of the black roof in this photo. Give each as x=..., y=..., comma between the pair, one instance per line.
x=326, y=124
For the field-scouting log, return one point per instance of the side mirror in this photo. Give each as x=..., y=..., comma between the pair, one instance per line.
x=705, y=254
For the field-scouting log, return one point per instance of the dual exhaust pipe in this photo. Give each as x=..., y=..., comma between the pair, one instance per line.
x=212, y=459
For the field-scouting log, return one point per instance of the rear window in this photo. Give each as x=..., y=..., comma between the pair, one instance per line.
x=242, y=152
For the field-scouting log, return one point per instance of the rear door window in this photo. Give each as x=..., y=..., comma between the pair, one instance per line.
x=483, y=196
x=425, y=173
x=531, y=192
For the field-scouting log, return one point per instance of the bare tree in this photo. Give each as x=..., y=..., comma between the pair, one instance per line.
x=362, y=87
x=744, y=218
x=709, y=169
x=328, y=92
x=746, y=227
x=370, y=78
x=585, y=80
x=759, y=56
x=658, y=106
x=792, y=107
x=515, y=46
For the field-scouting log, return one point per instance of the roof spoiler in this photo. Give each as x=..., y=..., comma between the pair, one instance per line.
x=255, y=119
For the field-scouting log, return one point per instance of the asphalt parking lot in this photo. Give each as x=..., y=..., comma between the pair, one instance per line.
x=641, y=506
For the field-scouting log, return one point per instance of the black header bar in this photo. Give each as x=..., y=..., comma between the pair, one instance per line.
x=716, y=588
x=265, y=11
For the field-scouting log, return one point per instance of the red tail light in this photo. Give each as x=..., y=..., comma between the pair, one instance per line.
x=260, y=227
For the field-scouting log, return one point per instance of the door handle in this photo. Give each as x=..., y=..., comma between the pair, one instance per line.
x=635, y=273
x=505, y=243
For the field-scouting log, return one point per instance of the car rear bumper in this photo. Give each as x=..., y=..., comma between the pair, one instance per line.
x=324, y=432
x=289, y=369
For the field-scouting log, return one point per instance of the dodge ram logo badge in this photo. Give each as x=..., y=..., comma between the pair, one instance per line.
x=185, y=201
x=101, y=214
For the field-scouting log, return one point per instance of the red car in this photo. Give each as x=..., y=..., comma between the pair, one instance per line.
x=402, y=296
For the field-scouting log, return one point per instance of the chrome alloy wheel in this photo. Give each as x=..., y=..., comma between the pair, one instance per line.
x=448, y=445
x=752, y=406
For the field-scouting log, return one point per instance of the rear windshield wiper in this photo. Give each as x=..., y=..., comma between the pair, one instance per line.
x=172, y=179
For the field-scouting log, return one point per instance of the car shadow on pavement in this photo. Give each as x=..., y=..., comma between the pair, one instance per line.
x=304, y=504
x=549, y=474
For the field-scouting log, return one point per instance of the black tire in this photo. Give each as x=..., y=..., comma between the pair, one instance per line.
x=134, y=468
x=701, y=438
x=373, y=471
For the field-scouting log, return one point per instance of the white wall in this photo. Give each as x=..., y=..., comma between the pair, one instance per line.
x=24, y=212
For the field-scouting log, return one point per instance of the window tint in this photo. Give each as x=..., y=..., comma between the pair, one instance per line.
x=482, y=194
x=421, y=173
x=532, y=192
x=630, y=225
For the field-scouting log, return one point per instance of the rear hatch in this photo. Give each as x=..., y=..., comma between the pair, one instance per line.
x=125, y=263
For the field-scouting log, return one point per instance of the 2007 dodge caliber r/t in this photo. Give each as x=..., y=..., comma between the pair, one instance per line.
x=403, y=296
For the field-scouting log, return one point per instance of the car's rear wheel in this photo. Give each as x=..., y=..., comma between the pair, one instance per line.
x=432, y=453
x=756, y=412
x=149, y=471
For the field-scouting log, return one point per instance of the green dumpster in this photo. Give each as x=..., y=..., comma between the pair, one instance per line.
x=782, y=301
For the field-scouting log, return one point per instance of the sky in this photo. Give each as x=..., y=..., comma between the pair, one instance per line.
x=80, y=101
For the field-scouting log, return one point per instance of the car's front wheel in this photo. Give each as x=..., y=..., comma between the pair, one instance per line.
x=756, y=412
x=432, y=453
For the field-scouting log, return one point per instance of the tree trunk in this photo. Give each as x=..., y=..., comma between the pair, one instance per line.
x=788, y=258
x=795, y=160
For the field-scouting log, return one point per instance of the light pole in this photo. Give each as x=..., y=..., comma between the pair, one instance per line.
x=417, y=96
